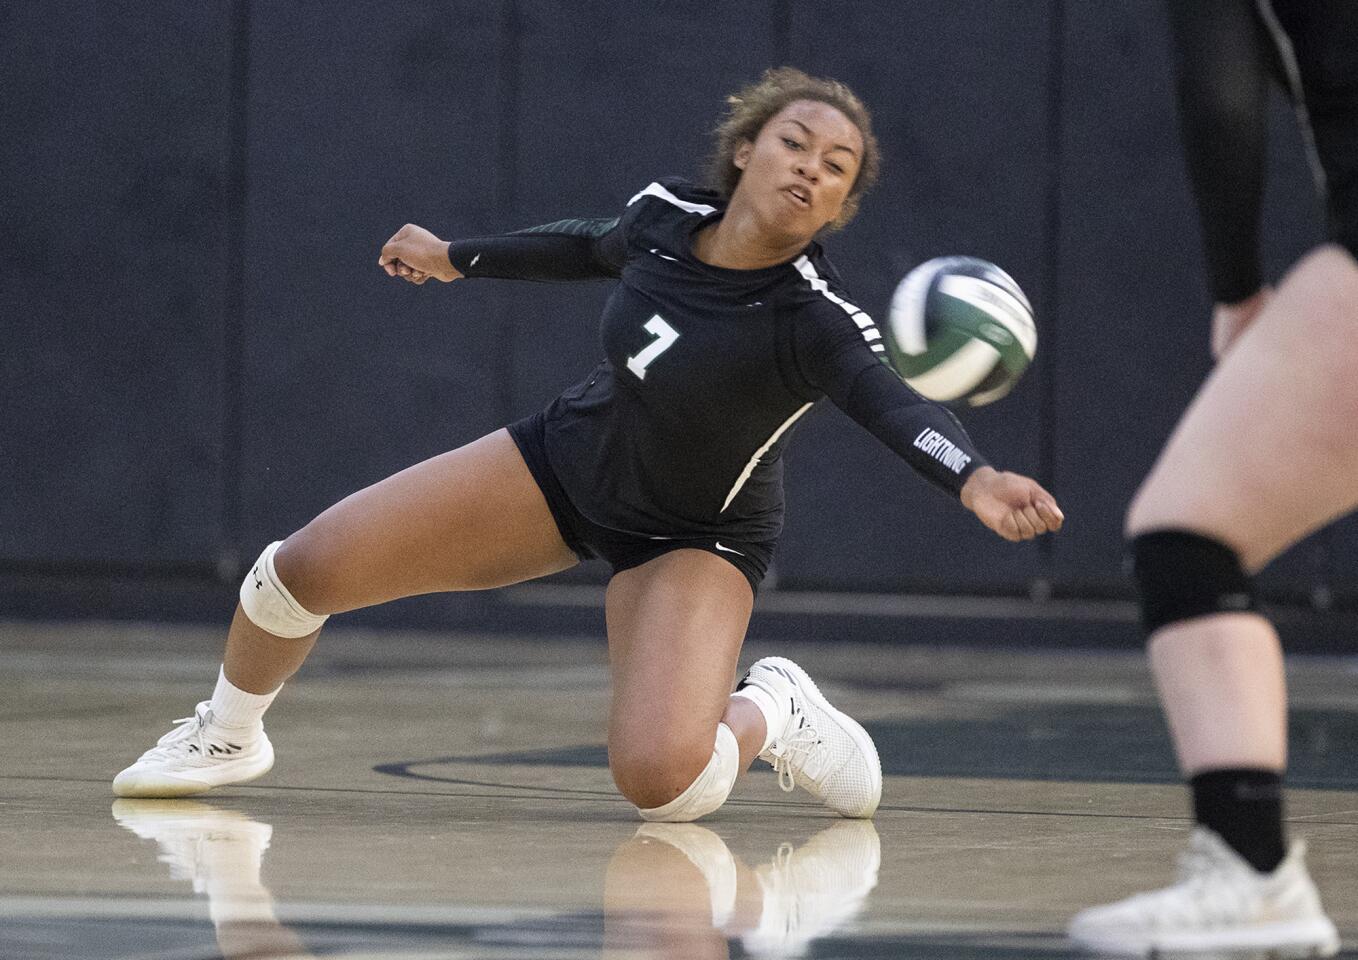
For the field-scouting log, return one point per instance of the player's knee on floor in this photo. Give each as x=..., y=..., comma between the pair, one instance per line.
x=709, y=789
x=1181, y=575
x=270, y=606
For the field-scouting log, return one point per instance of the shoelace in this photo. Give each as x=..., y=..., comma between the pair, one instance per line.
x=174, y=742
x=796, y=748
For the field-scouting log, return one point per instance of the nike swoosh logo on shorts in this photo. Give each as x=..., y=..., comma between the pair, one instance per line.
x=728, y=550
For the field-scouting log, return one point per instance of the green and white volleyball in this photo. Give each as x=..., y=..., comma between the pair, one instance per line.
x=960, y=331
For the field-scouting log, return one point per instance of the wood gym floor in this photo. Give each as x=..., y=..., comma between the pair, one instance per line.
x=446, y=796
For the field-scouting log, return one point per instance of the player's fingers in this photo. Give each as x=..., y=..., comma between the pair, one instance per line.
x=1034, y=519
x=390, y=269
x=1052, y=514
x=1007, y=527
x=1021, y=524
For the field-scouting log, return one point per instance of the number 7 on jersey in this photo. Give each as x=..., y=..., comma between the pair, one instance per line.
x=664, y=334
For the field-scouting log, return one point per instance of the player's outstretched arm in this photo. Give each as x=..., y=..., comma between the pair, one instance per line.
x=415, y=254
x=1014, y=506
x=564, y=251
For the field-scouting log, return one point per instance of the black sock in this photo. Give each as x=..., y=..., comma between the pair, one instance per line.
x=1245, y=807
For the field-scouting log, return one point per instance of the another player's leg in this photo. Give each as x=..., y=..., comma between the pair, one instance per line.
x=469, y=519
x=1264, y=455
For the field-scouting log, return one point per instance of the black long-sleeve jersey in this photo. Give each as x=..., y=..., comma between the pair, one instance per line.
x=681, y=429
x=1225, y=56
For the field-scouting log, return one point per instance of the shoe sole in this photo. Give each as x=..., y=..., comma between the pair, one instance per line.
x=851, y=726
x=153, y=786
x=1274, y=941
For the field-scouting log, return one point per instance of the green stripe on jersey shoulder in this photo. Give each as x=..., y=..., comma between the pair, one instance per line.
x=577, y=227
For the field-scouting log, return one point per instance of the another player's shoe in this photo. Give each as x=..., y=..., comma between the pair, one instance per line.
x=196, y=756
x=1220, y=906
x=815, y=889
x=822, y=750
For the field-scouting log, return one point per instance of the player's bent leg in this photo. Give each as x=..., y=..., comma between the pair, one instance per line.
x=675, y=628
x=468, y=519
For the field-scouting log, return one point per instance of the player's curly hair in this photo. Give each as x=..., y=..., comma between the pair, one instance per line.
x=753, y=106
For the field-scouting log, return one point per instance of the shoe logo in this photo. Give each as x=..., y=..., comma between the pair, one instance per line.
x=725, y=549
x=663, y=256
x=255, y=573
x=228, y=749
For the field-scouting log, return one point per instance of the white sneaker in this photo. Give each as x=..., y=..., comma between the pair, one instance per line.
x=815, y=889
x=823, y=751
x=194, y=757
x=1220, y=906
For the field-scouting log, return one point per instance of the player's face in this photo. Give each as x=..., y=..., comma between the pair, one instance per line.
x=799, y=170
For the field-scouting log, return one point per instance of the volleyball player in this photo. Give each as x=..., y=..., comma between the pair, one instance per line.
x=1246, y=475
x=727, y=325
x=1265, y=454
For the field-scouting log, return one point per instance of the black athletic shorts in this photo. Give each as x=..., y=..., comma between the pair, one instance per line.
x=620, y=549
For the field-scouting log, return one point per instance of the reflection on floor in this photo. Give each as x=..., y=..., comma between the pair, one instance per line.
x=456, y=803
x=672, y=890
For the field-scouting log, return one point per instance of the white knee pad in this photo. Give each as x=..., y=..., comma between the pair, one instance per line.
x=269, y=605
x=710, y=790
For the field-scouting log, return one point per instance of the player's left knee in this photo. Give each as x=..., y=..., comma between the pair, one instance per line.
x=709, y=789
x=1181, y=574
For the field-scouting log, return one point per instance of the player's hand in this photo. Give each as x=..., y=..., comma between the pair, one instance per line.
x=1229, y=320
x=415, y=254
x=1014, y=506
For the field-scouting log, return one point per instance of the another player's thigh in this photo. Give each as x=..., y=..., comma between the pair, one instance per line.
x=1267, y=452
x=469, y=519
x=675, y=628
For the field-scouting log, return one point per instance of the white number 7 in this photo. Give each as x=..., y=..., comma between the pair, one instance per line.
x=665, y=335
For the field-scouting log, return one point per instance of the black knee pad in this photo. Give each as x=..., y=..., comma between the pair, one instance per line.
x=1180, y=575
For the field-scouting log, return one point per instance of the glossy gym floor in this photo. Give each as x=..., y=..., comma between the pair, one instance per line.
x=447, y=796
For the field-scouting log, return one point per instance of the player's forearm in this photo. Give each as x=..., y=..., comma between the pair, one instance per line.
x=563, y=251
x=932, y=441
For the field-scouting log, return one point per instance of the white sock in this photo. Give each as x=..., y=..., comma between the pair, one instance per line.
x=233, y=707
x=776, y=710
